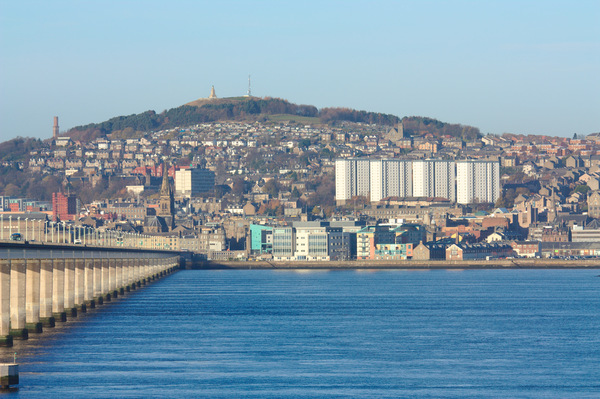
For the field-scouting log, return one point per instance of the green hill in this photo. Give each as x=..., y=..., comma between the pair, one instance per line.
x=237, y=108
x=258, y=109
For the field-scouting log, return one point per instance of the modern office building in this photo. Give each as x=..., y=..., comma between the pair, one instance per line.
x=261, y=239
x=191, y=182
x=477, y=181
x=284, y=243
x=311, y=241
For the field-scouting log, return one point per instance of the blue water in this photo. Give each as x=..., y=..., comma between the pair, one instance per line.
x=341, y=334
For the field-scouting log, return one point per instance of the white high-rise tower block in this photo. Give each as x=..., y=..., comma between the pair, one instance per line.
x=477, y=181
x=351, y=178
x=434, y=178
x=390, y=178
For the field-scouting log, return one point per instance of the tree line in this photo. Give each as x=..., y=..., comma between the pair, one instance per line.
x=420, y=126
x=219, y=110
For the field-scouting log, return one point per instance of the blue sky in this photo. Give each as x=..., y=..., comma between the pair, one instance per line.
x=504, y=66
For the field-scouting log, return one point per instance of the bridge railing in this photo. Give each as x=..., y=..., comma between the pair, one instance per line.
x=21, y=228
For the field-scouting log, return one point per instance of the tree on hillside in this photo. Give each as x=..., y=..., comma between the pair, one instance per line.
x=272, y=188
x=239, y=187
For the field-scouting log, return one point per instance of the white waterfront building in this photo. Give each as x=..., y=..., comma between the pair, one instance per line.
x=311, y=242
x=284, y=243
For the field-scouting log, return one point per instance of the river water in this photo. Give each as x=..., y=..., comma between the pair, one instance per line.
x=336, y=334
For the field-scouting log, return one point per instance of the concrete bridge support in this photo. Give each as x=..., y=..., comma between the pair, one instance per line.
x=34, y=293
x=88, y=291
x=121, y=266
x=142, y=271
x=151, y=267
x=70, y=288
x=32, y=297
x=18, y=285
x=164, y=265
x=46, y=276
x=5, y=337
x=129, y=274
x=134, y=272
x=58, y=291
x=79, y=293
x=112, y=277
x=98, y=281
x=137, y=271
x=105, y=281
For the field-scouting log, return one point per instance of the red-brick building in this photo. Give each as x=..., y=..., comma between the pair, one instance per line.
x=64, y=207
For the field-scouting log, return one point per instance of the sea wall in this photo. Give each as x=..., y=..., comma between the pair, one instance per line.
x=406, y=264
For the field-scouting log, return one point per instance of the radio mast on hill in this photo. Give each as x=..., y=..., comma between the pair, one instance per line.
x=249, y=91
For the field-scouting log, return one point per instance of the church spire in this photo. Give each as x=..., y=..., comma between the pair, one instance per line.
x=166, y=202
x=165, y=189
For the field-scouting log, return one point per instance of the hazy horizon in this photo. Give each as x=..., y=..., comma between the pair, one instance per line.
x=502, y=66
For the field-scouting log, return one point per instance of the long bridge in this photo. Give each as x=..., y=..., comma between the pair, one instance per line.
x=44, y=284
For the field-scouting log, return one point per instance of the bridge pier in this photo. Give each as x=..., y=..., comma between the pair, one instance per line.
x=18, y=285
x=58, y=291
x=148, y=269
x=36, y=293
x=5, y=337
x=79, y=293
x=141, y=269
x=149, y=264
x=121, y=266
x=112, y=278
x=106, y=281
x=165, y=268
x=46, y=273
x=128, y=273
x=138, y=272
x=70, y=288
x=88, y=292
x=98, y=271
x=32, y=297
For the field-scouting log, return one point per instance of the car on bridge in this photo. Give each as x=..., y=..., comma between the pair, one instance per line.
x=16, y=237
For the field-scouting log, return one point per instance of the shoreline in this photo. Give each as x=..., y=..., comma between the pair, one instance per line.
x=401, y=264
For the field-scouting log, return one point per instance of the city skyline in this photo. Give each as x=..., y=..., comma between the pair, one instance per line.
x=515, y=67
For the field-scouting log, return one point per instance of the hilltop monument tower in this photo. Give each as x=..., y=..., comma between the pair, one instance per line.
x=213, y=95
x=55, y=128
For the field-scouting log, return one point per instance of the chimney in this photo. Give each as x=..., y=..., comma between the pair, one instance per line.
x=55, y=128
